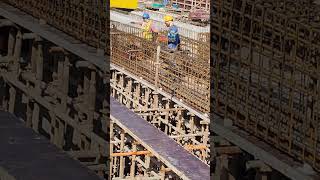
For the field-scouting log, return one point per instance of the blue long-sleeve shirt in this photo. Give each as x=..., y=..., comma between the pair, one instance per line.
x=165, y=2
x=173, y=37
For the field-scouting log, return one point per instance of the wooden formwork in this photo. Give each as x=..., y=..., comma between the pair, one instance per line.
x=177, y=122
x=266, y=72
x=57, y=94
x=152, y=153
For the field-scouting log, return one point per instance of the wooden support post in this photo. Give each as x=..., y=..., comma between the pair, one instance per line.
x=39, y=68
x=147, y=98
x=87, y=143
x=155, y=100
x=128, y=91
x=147, y=161
x=157, y=68
x=34, y=54
x=179, y=126
x=114, y=75
x=12, y=99
x=162, y=172
x=53, y=130
x=192, y=125
x=166, y=117
x=111, y=148
x=121, y=84
x=60, y=71
x=262, y=169
x=264, y=176
x=65, y=82
x=115, y=166
x=76, y=139
x=133, y=161
x=221, y=167
x=29, y=114
x=60, y=134
x=137, y=95
x=92, y=98
x=35, y=117
x=86, y=83
x=3, y=94
x=122, y=163
x=39, y=73
x=205, y=139
x=17, y=52
x=11, y=40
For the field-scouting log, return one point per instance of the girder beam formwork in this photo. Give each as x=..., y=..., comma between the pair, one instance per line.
x=177, y=122
x=129, y=159
x=57, y=93
x=140, y=150
x=266, y=72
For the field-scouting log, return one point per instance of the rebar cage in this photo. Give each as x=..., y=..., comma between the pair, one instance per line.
x=184, y=74
x=266, y=71
x=85, y=20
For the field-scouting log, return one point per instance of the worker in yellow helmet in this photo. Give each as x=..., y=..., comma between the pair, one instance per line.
x=173, y=34
x=148, y=27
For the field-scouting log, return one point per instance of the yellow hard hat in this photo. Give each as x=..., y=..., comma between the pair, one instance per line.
x=168, y=18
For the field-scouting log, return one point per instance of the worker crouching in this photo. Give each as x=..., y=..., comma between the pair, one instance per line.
x=173, y=34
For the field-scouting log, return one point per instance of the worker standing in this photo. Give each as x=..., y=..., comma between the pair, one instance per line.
x=173, y=34
x=148, y=27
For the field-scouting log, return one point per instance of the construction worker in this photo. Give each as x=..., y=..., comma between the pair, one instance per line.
x=173, y=34
x=165, y=2
x=148, y=27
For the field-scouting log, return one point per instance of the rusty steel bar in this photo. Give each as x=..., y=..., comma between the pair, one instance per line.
x=183, y=74
x=84, y=20
x=266, y=72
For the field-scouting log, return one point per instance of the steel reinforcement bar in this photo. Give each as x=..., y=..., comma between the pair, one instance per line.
x=185, y=29
x=184, y=74
x=266, y=72
x=85, y=20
